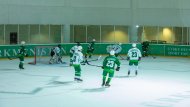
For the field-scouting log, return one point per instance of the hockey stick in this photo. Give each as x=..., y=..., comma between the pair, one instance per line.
x=153, y=57
x=122, y=58
x=66, y=65
x=92, y=64
x=11, y=58
x=95, y=59
x=150, y=53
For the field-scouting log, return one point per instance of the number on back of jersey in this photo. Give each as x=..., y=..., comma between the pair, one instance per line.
x=134, y=54
x=110, y=64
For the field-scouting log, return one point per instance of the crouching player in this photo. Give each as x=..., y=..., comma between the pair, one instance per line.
x=56, y=55
x=109, y=68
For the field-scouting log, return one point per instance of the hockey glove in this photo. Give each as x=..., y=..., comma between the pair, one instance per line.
x=118, y=68
x=128, y=58
x=83, y=63
x=139, y=58
x=26, y=55
x=102, y=67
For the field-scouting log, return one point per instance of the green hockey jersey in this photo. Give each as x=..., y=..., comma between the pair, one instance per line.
x=110, y=62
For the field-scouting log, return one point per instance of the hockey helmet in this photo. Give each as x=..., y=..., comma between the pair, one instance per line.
x=93, y=40
x=134, y=45
x=59, y=45
x=79, y=48
x=112, y=52
x=78, y=43
x=22, y=42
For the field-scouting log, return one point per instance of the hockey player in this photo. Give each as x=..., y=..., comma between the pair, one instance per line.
x=145, y=46
x=56, y=55
x=21, y=54
x=73, y=50
x=90, y=49
x=116, y=47
x=76, y=59
x=109, y=68
x=134, y=56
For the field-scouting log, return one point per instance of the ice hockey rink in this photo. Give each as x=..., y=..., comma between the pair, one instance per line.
x=161, y=82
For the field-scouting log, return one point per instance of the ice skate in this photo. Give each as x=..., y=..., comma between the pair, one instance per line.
x=136, y=73
x=128, y=73
x=21, y=68
x=78, y=79
x=107, y=85
x=103, y=83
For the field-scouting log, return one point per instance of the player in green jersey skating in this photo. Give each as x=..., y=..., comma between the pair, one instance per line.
x=90, y=49
x=134, y=56
x=21, y=54
x=109, y=68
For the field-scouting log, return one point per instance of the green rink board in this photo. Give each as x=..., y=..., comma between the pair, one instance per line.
x=100, y=48
x=174, y=50
x=169, y=50
x=45, y=49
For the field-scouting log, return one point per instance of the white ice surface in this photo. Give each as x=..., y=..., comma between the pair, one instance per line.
x=162, y=82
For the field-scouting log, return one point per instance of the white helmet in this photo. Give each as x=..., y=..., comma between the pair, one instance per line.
x=112, y=52
x=22, y=42
x=134, y=45
x=79, y=48
x=93, y=40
